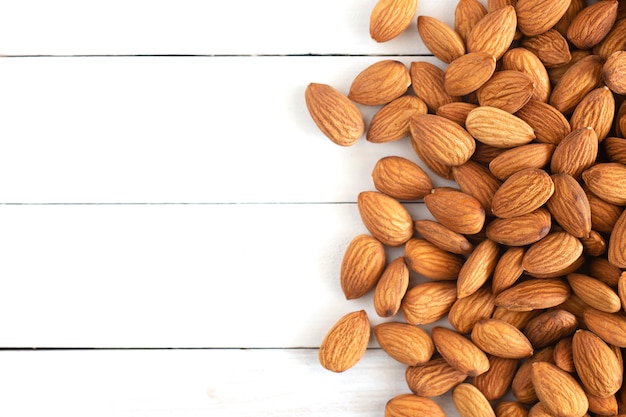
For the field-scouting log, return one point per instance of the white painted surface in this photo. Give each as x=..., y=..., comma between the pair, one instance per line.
x=182, y=202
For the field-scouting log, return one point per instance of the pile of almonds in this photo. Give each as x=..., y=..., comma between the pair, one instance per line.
x=526, y=257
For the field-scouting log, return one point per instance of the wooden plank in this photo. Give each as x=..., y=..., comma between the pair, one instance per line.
x=218, y=275
x=194, y=129
x=193, y=383
x=118, y=27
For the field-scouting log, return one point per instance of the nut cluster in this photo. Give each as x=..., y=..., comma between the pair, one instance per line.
x=526, y=257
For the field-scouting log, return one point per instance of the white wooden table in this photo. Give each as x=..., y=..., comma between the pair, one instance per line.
x=172, y=221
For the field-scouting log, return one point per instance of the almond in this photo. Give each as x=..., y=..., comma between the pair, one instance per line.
x=596, y=365
x=499, y=338
x=574, y=8
x=431, y=262
x=391, y=122
x=441, y=139
x=380, y=83
x=466, y=312
x=440, y=39
x=550, y=47
x=484, y=153
x=605, y=406
x=592, y=24
x=511, y=409
x=406, y=405
x=532, y=155
x=576, y=82
x=470, y=402
x=385, y=218
x=556, y=73
x=431, y=162
x=391, y=287
x=596, y=110
x=390, y=18
x=493, y=33
x=534, y=294
x=334, y=114
x=521, y=230
x=516, y=318
x=508, y=269
x=361, y=266
x=523, y=60
x=569, y=206
x=507, y=90
x=522, y=193
x=549, y=327
x=456, y=111
x=563, y=356
x=476, y=180
x=607, y=181
x=570, y=268
x=614, y=41
x=603, y=215
x=478, y=268
x=594, y=245
x=498, y=128
x=459, y=351
x=602, y=269
x=434, y=378
x=595, y=293
x=548, y=123
x=522, y=385
x=466, y=14
x=428, y=302
x=614, y=72
x=456, y=210
x=468, y=73
x=621, y=288
x=575, y=305
x=611, y=327
x=442, y=237
x=617, y=243
x=538, y=16
x=346, y=342
x=401, y=178
x=540, y=259
x=427, y=84
x=405, y=342
x=497, y=380
x=576, y=153
x=558, y=391
x=615, y=149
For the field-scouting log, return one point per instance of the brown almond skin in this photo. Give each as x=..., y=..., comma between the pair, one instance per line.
x=428, y=302
x=385, y=218
x=498, y=128
x=334, y=114
x=603, y=270
x=466, y=312
x=550, y=47
x=346, y=342
x=540, y=259
x=614, y=72
x=517, y=318
x=427, y=84
x=391, y=122
x=594, y=245
x=476, y=180
x=594, y=292
x=468, y=73
x=470, y=402
x=556, y=73
x=389, y=18
x=521, y=230
x=592, y=24
x=558, y=391
x=456, y=111
x=493, y=33
x=604, y=215
x=569, y=206
x=404, y=342
x=511, y=409
x=362, y=264
x=456, y=210
x=404, y=405
x=441, y=139
x=607, y=181
x=522, y=386
x=531, y=22
x=508, y=269
x=431, y=262
x=442, y=237
x=401, y=178
x=434, y=378
x=563, y=356
x=548, y=123
x=596, y=365
x=459, y=351
x=391, y=287
x=576, y=82
x=611, y=327
x=523, y=60
x=617, y=243
x=478, y=268
x=549, y=327
x=495, y=383
x=507, y=90
x=605, y=406
x=534, y=294
x=499, y=338
x=614, y=41
x=596, y=110
x=431, y=161
x=380, y=83
x=576, y=153
x=522, y=193
x=532, y=155
x=466, y=14
x=615, y=148
x=440, y=39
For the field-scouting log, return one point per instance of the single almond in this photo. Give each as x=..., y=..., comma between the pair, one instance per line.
x=549, y=327
x=592, y=24
x=431, y=262
x=548, y=123
x=478, y=268
x=563, y=356
x=604, y=215
x=440, y=39
x=346, y=342
x=532, y=155
x=520, y=230
x=467, y=311
x=401, y=178
x=558, y=391
x=380, y=83
x=508, y=269
x=441, y=139
x=391, y=122
x=596, y=110
x=594, y=293
x=434, y=378
x=617, y=243
x=427, y=84
x=569, y=206
x=431, y=162
x=522, y=193
x=466, y=14
x=470, y=402
x=456, y=210
x=476, y=180
x=404, y=405
x=522, y=60
x=389, y=18
x=538, y=16
x=385, y=218
x=576, y=82
x=614, y=41
x=459, y=351
x=614, y=72
x=334, y=114
x=498, y=128
x=576, y=153
x=493, y=33
x=404, y=342
x=495, y=383
x=597, y=366
x=468, y=73
x=534, y=294
x=607, y=181
x=391, y=287
x=428, y=302
x=595, y=245
x=499, y=338
x=604, y=406
x=603, y=270
x=540, y=259
x=615, y=148
x=507, y=90
x=456, y=111
x=442, y=237
x=361, y=266
x=550, y=47
x=610, y=327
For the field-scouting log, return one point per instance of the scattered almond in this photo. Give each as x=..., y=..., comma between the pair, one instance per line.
x=390, y=18
x=346, y=342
